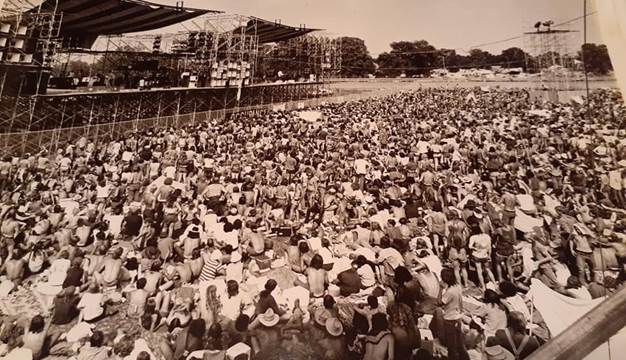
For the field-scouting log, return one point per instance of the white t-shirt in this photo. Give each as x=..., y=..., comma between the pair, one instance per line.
x=231, y=306
x=102, y=192
x=170, y=171
x=234, y=271
x=115, y=223
x=209, y=221
x=326, y=255
x=65, y=163
x=368, y=278
x=391, y=257
x=127, y=156
x=361, y=166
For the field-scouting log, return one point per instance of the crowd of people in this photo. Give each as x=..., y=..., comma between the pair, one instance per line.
x=407, y=226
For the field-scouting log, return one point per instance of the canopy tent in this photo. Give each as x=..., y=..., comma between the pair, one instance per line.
x=84, y=20
x=269, y=31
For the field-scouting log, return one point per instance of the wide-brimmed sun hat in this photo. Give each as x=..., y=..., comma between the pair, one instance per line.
x=334, y=326
x=269, y=318
x=321, y=316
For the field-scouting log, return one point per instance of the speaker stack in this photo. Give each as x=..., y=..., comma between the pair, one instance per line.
x=20, y=73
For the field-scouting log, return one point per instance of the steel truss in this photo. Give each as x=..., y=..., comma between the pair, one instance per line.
x=229, y=39
x=315, y=54
x=43, y=112
x=553, y=57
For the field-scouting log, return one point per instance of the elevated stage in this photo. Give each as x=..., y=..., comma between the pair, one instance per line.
x=30, y=123
x=74, y=109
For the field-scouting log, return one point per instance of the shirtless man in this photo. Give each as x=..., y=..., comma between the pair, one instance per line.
x=9, y=229
x=316, y=277
x=14, y=268
x=184, y=272
x=379, y=344
x=293, y=254
x=153, y=278
x=137, y=298
x=95, y=261
x=255, y=242
x=81, y=235
x=109, y=272
x=196, y=263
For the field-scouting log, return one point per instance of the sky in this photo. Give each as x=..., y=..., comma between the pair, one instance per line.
x=451, y=24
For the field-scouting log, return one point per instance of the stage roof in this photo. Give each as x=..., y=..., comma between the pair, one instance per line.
x=85, y=20
x=269, y=31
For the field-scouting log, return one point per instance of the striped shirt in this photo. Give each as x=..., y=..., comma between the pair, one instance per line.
x=210, y=270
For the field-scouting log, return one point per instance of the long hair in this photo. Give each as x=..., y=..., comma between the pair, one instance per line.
x=213, y=302
x=447, y=276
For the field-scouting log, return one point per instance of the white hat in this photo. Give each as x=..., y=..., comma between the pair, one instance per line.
x=269, y=318
x=334, y=326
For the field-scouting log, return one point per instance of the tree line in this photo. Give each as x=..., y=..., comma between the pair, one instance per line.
x=420, y=58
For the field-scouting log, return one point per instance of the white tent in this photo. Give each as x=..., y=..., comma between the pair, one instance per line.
x=560, y=311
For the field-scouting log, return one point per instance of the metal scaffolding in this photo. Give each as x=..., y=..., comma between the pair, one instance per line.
x=313, y=55
x=553, y=57
x=115, y=112
x=219, y=57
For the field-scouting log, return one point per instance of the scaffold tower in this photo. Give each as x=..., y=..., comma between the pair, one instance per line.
x=552, y=56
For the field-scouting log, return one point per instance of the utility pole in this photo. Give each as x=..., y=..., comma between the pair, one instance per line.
x=582, y=52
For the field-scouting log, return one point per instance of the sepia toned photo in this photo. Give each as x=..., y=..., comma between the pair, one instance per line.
x=312, y=180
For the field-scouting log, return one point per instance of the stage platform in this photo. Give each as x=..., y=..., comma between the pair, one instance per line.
x=78, y=109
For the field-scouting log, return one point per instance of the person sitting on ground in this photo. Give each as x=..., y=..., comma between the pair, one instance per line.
x=492, y=313
x=14, y=268
x=38, y=338
x=95, y=349
x=379, y=343
x=137, y=298
x=515, y=337
x=91, y=304
x=348, y=281
x=65, y=306
x=109, y=273
x=317, y=277
x=266, y=300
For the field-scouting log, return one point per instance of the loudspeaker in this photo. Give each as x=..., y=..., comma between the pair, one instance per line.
x=22, y=81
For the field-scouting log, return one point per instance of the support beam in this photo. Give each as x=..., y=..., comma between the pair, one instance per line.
x=588, y=332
